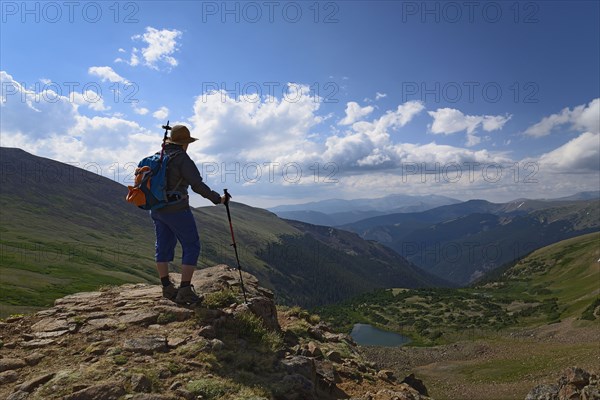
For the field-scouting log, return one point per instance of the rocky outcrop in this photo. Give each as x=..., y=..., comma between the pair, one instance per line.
x=574, y=384
x=128, y=342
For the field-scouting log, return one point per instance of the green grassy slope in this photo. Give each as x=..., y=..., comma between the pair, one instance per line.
x=64, y=230
x=553, y=283
x=568, y=271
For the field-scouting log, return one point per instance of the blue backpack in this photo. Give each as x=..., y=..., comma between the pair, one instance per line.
x=149, y=191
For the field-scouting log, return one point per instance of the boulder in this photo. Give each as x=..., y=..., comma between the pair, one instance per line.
x=30, y=385
x=8, y=377
x=7, y=364
x=146, y=344
x=103, y=391
x=140, y=383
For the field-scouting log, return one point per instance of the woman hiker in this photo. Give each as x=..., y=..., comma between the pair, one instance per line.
x=175, y=221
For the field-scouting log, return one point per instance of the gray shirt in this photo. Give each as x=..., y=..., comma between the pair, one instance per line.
x=181, y=169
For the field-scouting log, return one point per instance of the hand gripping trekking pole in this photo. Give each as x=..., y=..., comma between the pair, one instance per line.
x=227, y=197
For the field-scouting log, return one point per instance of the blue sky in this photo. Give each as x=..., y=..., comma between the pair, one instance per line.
x=299, y=101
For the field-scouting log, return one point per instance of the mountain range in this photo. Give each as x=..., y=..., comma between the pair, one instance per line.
x=334, y=212
x=66, y=230
x=338, y=212
x=461, y=242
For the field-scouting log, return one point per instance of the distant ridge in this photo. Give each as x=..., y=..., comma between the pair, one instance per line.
x=336, y=212
x=449, y=241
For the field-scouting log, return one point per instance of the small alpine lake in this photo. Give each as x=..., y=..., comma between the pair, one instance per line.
x=368, y=335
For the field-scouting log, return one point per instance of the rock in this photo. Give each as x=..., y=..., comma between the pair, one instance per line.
x=208, y=316
x=574, y=384
x=181, y=392
x=11, y=364
x=8, y=377
x=334, y=337
x=300, y=365
x=146, y=345
x=175, y=385
x=99, y=348
x=30, y=385
x=298, y=387
x=176, y=313
x=590, y=393
x=207, y=332
x=87, y=297
x=53, y=334
x=164, y=374
x=386, y=375
x=349, y=373
x=36, y=344
x=569, y=392
x=100, y=324
x=104, y=391
x=217, y=345
x=334, y=356
x=140, y=383
x=109, y=349
x=88, y=308
x=27, y=336
x=174, y=342
x=577, y=377
x=416, y=384
x=312, y=350
x=18, y=395
x=96, y=315
x=265, y=309
x=326, y=373
x=151, y=396
x=49, y=325
x=404, y=393
x=14, y=318
x=144, y=318
x=46, y=313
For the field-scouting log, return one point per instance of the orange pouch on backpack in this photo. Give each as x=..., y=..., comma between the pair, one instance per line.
x=135, y=194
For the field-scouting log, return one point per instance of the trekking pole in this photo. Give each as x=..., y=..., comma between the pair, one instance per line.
x=167, y=128
x=227, y=197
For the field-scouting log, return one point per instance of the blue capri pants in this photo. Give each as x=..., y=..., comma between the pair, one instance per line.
x=171, y=227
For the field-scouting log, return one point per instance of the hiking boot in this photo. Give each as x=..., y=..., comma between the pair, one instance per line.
x=187, y=295
x=169, y=292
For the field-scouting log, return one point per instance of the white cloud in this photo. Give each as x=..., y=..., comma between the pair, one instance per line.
x=369, y=155
x=582, y=118
x=161, y=45
x=139, y=110
x=579, y=154
x=254, y=129
x=90, y=99
x=50, y=125
x=380, y=95
x=106, y=74
x=161, y=113
x=354, y=112
x=447, y=121
x=40, y=115
x=104, y=132
x=134, y=59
